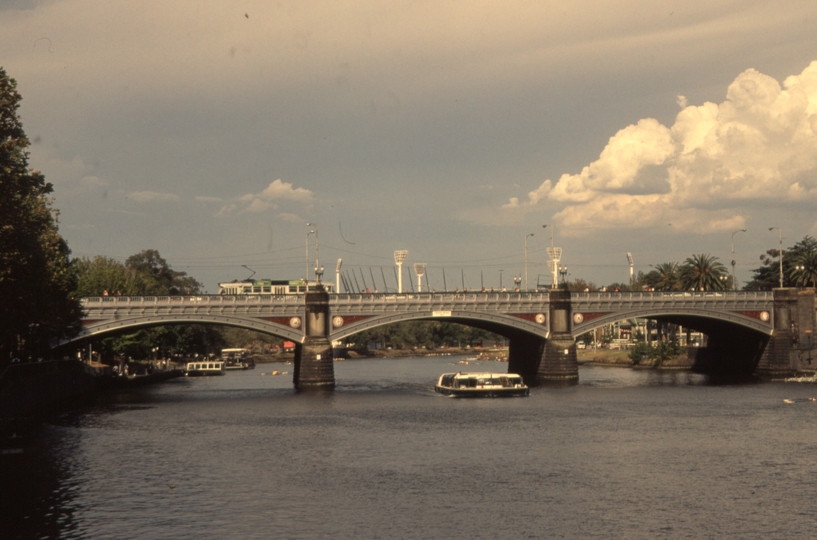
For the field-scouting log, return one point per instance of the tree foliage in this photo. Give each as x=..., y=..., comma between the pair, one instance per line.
x=703, y=273
x=145, y=273
x=802, y=254
x=37, y=279
x=664, y=277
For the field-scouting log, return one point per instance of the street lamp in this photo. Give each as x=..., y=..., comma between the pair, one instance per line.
x=526, y=260
x=399, y=257
x=734, y=279
x=317, y=252
x=517, y=280
x=306, y=275
x=780, y=236
x=500, y=279
x=563, y=272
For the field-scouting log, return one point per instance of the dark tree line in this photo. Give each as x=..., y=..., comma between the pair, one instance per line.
x=38, y=302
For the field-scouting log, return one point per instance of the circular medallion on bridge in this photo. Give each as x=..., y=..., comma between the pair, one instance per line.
x=540, y=318
x=295, y=322
x=337, y=322
x=578, y=318
x=764, y=316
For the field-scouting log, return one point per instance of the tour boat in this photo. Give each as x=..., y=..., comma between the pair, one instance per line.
x=481, y=385
x=210, y=367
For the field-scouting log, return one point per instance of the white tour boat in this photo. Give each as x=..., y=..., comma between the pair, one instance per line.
x=209, y=367
x=481, y=385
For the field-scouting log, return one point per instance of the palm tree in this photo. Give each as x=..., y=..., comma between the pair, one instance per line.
x=704, y=273
x=804, y=270
x=665, y=277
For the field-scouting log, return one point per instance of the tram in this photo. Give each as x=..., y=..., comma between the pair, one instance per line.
x=270, y=286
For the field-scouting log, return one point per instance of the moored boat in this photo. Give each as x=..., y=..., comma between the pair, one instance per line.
x=481, y=385
x=210, y=367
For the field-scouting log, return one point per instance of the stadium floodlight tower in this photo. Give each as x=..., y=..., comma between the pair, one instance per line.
x=420, y=270
x=630, y=260
x=337, y=276
x=399, y=258
x=555, y=254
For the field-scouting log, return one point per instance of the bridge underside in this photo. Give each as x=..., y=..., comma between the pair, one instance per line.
x=731, y=350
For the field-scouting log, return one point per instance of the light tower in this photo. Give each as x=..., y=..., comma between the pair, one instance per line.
x=420, y=270
x=399, y=257
x=337, y=276
x=555, y=255
x=630, y=260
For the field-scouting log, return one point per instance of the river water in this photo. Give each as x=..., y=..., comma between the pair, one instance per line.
x=624, y=454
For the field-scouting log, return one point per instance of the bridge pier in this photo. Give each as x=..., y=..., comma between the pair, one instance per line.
x=551, y=361
x=314, y=367
x=794, y=325
x=558, y=363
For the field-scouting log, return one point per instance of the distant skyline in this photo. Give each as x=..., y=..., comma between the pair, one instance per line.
x=214, y=133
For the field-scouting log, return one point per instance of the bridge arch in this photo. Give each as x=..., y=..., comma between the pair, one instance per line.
x=697, y=319
x=108, y=326
x=505, y=325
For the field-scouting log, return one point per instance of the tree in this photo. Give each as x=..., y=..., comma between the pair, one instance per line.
x=37, y=279
x=665, y=277
x=767, y=276
x=703, y=273
x=158, y=278
x=803, y=272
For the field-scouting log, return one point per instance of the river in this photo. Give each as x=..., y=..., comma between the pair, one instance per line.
x=623, y=454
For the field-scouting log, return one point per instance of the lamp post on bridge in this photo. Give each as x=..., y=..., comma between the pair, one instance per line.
x=526, y=260
x=517, y=280
x=734, y=279
x=780, y=255
x=317, y=252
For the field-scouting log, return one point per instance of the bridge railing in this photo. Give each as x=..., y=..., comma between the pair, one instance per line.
x=673, y=295
x=218, y=299
x=433, y=297
x=103, y=301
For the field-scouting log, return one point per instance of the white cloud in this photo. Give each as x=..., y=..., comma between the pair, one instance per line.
x=759, y=145
x=266, y=199
x=94, y=182
x=206, y=199
x=151, y=196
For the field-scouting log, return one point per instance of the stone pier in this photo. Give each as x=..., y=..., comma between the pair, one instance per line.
x=314, y=368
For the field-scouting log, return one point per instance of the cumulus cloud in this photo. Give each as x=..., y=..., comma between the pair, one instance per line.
x=151, y=196
x=759, y=145
x=267, y=199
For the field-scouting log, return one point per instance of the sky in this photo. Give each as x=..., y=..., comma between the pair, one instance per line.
x=215, y=131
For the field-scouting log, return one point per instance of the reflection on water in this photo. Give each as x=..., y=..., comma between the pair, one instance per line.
x=628, y=454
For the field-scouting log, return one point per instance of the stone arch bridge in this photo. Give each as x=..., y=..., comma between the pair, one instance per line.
x=541, y=326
